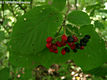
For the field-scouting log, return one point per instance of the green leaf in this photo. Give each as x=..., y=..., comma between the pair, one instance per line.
x=31, y=30
x=4, y=74
x=93, y=55
x=72, y=28
x=3, y=49
x=99, y=25
x=79, y=18
x=97, y=78
x=93, y=6
x=29, y=36
x=5, y=22
x=59, y=4
x=2, y=35
x=47, y=58
x=102, y=11
x=100, y=71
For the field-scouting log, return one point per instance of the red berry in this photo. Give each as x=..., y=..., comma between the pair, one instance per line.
x=58, y=44
x=64, y=37
x=63, y=43
x=70, y=44
x=63, y=52
x=51, y=50
x=49, y=40
x=55, y=51
x=75, y=38
x=82, y=47
x=73, y=46
x=54, y=46
x=48, y=45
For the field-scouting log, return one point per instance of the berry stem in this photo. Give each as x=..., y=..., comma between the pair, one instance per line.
x=65, y=18
x=70, y=30
x=57, y=37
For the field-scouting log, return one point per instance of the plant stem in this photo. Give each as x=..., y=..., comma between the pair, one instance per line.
x=76, y=5
x=70, y=30
x=3, y=17
x=31, y=3
x=24, y=9
x=65, y=18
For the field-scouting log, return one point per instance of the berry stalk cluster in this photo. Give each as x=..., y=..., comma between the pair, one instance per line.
x=72, y=41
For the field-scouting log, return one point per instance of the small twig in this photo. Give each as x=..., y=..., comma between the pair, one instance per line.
x=12, y=10
x=76, y=4
x=3, y=17
x=22, y=8
x=70, y=30
x=65, y=18
x=31, y=3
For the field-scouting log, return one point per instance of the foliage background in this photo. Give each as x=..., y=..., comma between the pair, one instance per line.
x=11, y=14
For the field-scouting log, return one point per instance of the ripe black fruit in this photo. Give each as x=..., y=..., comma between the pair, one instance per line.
x=77, y=45
x=67, y=49
x=84, y=40
x=70, y=39
x=83, y=44
x=87, y=37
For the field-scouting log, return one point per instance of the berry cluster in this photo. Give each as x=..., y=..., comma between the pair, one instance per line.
x=72, y=41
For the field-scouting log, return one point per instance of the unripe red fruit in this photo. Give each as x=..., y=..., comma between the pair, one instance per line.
x=48, y=45
x=54, y=46
x=73, y=46
x=63, y=43
x=56, y=51
x=63, y=52
x=75, y=38
x=64, y=37
x=49, y=40
x=51, y=50
x=58, y=44
x=82, y=47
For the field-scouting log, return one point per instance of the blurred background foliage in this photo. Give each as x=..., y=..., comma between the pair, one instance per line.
x=9, y=13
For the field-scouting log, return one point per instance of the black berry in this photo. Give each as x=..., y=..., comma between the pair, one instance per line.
x=70, y=39
x=77, y=45
x=87, y=37
x=83, y=44
x=84, y=40
x=67, y=49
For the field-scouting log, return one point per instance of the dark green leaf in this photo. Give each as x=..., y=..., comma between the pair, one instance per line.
x=4, y=74
x=59, y=4
x=93, y=6
x=72, y=28
x=79, y=18
x=2, y=35
x=99, y=25
x=31, y=30
x=100, y=71
x=103, y=11
x=47, y=58
x=29, y=36
x=93, y=55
